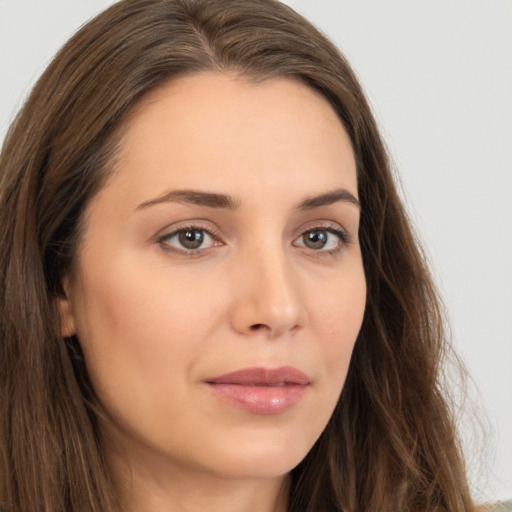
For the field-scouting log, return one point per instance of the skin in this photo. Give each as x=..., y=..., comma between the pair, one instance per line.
x=156, y=320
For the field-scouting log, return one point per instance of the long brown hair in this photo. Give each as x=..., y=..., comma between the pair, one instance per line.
x=390, y=445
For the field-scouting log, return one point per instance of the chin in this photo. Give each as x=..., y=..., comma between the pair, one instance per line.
x=260, y=460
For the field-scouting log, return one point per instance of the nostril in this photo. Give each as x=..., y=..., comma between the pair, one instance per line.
x=257, y=327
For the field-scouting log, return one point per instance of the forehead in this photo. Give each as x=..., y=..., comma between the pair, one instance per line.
x=211, y=127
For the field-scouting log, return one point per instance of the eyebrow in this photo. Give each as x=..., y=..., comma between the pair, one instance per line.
x=224, y=201
x=335, y=196
x=209, y=199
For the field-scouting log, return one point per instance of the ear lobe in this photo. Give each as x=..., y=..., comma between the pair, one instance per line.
x=67, y=319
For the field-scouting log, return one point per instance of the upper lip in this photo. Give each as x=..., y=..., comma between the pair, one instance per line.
x=259, y=376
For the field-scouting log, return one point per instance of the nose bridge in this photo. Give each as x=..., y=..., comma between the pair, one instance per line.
x=268, y=294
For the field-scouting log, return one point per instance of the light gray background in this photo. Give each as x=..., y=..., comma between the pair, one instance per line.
x=439, y=76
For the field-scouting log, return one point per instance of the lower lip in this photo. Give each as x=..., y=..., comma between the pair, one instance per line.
x=261, y=399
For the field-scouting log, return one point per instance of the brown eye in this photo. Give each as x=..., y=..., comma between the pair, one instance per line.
x=322, y=239
x=191, y=238
x=315, y=239
x=188, y=239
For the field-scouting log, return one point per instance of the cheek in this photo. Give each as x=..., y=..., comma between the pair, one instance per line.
x=133, y=307
x=133, y=328
x=338, y=315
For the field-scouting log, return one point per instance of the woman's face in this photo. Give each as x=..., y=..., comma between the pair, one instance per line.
x=219, y=288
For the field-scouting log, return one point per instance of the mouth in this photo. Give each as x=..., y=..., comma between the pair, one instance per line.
x=261, y=390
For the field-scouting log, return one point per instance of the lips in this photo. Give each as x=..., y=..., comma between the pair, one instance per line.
x=261, y=390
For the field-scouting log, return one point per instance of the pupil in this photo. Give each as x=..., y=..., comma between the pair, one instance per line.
x=315, y=239
x=191, y=239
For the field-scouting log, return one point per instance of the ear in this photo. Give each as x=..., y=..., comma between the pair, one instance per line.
x=67, y=319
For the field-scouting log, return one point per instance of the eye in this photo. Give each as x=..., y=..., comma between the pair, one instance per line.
x=322, y=239
x=188, y=239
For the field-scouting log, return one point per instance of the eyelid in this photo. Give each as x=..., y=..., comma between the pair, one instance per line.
x=174, y=229
x=327, y=225
x=199, y=224
x=334, y=228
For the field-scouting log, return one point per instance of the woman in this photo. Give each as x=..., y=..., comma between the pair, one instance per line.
x=212, y=295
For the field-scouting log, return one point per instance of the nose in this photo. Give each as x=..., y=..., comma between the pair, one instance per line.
x=267, y=296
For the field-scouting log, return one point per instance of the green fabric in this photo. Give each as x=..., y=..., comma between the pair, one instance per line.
x=502, y=506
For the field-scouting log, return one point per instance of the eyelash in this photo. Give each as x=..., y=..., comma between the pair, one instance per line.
x=164, y=240
x=343, y=236
x=343, y=239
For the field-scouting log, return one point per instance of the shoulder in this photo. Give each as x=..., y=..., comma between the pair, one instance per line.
x=502, y=506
